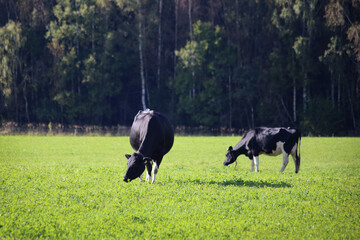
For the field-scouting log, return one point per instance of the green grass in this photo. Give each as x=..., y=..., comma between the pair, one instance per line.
x=71, y=187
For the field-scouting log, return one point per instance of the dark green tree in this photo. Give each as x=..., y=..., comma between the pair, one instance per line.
x=11, y=41
x=202, y=75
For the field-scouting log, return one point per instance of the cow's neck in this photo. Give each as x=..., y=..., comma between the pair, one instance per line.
x=146, y=147
x=144, y=150
x=238, y=150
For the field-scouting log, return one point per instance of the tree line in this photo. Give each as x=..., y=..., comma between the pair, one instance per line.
x=218, y=64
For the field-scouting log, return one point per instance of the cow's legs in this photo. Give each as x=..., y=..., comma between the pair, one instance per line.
x=296, y=158
x=285, y=161
x=255, y=162
x=297, y=165
x=155, y=170
x=148, y=171
x=148, y=176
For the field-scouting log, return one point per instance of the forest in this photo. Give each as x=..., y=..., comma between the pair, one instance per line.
x=230, y=64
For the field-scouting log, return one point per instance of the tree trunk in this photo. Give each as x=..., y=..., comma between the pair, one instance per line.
x=252, y=117
x=351, y=109
x=338, y=93
x=93, y=34
x=332, y=90
x=190, y=19
x=26, y=103
x=305, y=93
x=15, y=92
x=159, y=44
x=212, y=13
x=230, y=100
x=237, y=30
x=192, y=93
x=285, y=109
x=176, y=33
x=142, y=75
x=294, y=100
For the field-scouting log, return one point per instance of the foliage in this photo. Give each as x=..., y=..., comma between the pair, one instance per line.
x=321, y=117
x=49, y=190
x=234, y=64
x=203, y=64
x=87, y=64
x=11, y=40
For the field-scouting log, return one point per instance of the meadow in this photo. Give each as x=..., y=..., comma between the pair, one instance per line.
x=63, y=187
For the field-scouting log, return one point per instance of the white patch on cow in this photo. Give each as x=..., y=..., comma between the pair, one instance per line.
x=155, y=169
x=279, y=149
x=294, y=158
x=285, y=161
x=252, y=165
x=256, y=162
x=148, y=177
x=293, y=150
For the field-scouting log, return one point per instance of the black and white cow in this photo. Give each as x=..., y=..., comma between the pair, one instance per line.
x=269, y=141
x=151, y=137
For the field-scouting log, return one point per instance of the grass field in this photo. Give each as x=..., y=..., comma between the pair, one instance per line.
x=71, y=187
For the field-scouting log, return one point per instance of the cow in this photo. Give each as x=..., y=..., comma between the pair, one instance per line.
x=151, y=137
x=268, y=141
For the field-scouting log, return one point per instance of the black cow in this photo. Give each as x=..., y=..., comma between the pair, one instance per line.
x=269, y=141
x=151, y=136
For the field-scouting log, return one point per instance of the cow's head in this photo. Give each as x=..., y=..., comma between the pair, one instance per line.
x=136, y=166
x=230, y=158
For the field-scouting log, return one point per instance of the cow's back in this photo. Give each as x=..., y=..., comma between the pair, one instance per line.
x=139, y=128
x=265, y=140
x=152, y=129
x=167, y=132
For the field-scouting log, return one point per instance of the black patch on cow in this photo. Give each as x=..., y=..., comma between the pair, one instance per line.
x=263, y=140
x=151, y=136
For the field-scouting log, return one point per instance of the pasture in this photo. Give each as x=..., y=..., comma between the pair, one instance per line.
x=71, y=187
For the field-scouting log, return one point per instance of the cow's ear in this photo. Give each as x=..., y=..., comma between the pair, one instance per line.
x=127, y=156
x=230, y=148
x=146, y=160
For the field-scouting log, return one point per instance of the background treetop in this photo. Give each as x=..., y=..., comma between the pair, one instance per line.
x=218, y=64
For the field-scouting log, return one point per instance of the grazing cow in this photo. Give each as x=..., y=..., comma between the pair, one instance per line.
x=151, y=136
x=269, y=141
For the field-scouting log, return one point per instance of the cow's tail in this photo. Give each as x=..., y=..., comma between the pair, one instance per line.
x=297, y=153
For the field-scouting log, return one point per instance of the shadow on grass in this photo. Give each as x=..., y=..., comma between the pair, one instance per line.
x=244, y=183
x=258, y=184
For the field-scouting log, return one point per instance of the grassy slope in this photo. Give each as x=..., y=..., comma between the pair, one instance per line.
x=71, y=187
